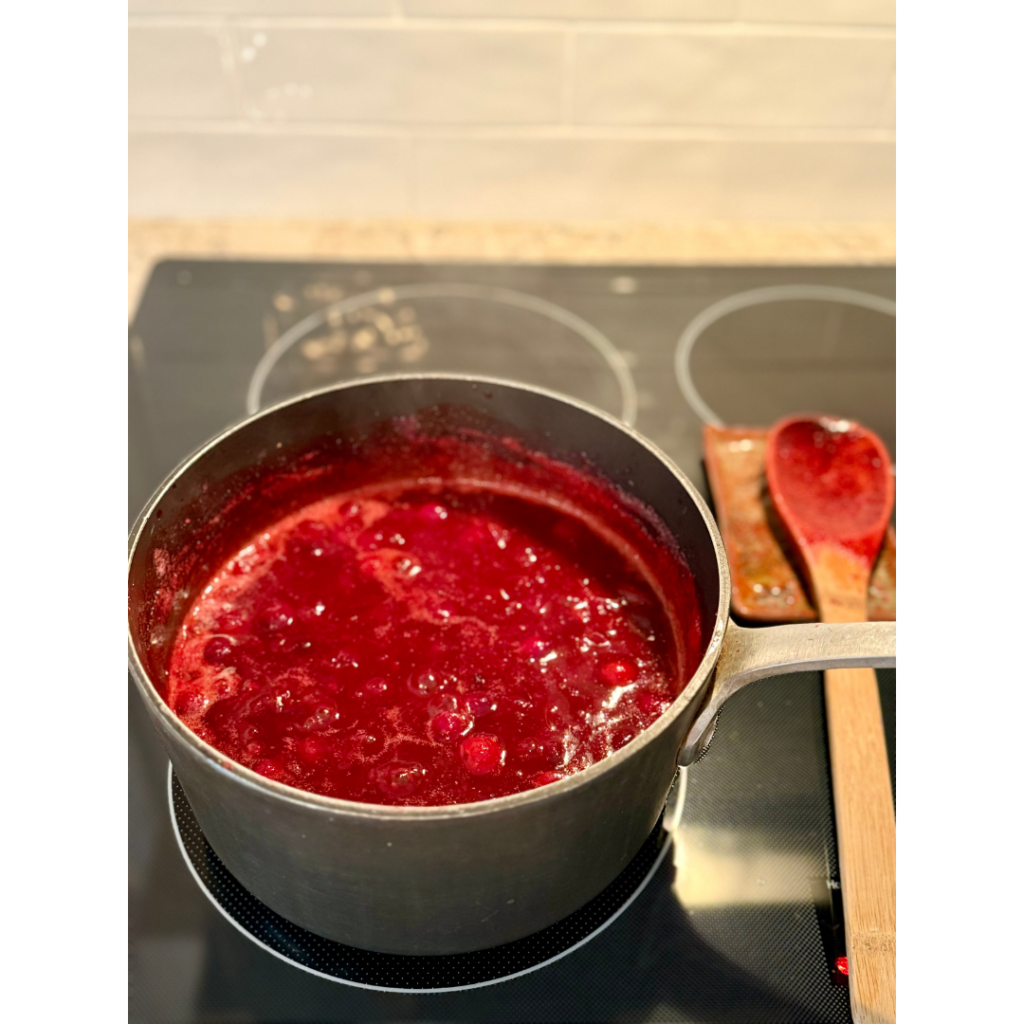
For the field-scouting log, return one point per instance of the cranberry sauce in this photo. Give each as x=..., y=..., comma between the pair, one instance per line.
x=430, y=643
x=836, y=480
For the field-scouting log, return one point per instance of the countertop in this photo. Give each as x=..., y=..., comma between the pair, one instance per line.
x=522, y=241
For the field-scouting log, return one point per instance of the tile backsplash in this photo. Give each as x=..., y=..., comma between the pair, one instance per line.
x=611, y=110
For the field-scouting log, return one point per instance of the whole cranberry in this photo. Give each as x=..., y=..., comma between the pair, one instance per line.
x=218, y=651
x=400, y=779
x=482, y=753
x=450, y=725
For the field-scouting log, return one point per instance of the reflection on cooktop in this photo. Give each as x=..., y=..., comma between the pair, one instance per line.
x=439, y=326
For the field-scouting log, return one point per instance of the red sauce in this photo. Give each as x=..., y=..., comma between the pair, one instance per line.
x=432, y=642
x=833, y=477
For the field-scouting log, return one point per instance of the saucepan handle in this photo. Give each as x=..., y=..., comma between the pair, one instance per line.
x=751, y=654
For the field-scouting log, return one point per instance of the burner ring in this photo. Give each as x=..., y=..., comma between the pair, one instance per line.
x=755, y=297
x=506, y=296
x=277, y=936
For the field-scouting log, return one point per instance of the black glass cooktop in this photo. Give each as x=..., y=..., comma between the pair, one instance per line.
x=741, y=920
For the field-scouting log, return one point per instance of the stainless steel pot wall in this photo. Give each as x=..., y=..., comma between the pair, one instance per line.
x=421, y=880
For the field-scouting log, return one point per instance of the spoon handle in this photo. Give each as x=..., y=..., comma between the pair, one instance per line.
x=866, y=830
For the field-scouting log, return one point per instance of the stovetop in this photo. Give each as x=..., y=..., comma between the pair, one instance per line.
x=740, y=922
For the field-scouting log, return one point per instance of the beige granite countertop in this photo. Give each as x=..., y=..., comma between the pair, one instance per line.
x=528, y=242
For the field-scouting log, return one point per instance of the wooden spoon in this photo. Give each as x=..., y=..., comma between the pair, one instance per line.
x=832, y=485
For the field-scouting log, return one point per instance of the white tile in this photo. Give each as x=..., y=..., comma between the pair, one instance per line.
x=655, y=181
x=402, y=75
x=628, y=10
x=176, y=72
x=235, y=175
x=820, y=12
x=887, y=116
x=730, y=80
x=258, y=8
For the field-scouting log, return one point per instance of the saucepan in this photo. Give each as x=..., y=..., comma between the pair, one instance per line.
x=450, y=879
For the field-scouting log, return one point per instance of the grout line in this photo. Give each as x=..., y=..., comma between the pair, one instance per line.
x=566, y=132
x=400, y=22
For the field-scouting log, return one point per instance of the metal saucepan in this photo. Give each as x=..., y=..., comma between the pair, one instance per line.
x=427, y=880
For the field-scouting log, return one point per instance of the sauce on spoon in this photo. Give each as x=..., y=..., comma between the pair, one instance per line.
x=831, y=483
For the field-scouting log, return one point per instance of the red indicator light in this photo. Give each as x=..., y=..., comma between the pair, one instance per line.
x=842, y=965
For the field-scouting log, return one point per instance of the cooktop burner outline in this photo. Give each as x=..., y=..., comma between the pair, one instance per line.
x=388, y=295
x=755, y=297
x=246, y=907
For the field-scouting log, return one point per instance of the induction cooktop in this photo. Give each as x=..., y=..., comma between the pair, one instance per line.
x=739, y=917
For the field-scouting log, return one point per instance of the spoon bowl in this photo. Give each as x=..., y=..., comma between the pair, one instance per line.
x=832, y=486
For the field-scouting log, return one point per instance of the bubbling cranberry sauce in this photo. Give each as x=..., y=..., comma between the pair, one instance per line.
x=430, y=643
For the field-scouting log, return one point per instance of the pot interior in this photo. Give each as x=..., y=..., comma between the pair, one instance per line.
x=340, y=439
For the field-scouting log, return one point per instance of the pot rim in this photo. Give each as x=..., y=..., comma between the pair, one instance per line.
x=692, y=691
